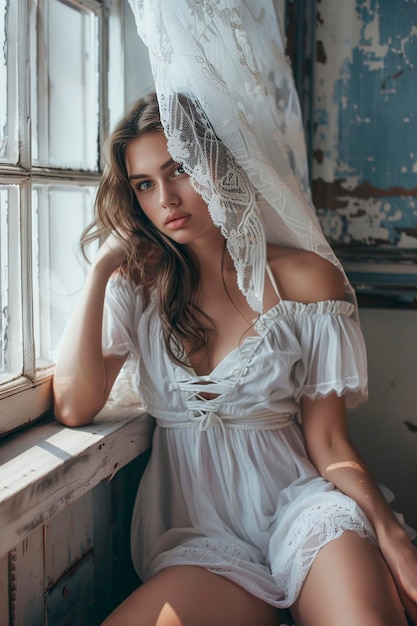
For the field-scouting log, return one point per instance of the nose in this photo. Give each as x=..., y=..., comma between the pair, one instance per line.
x=168, y=197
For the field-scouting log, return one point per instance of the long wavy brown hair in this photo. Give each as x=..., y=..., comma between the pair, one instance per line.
x=152, y=259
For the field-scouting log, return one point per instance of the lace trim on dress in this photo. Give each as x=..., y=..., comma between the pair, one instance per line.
x=354, y=389
x=311, y=531
x=280, y=587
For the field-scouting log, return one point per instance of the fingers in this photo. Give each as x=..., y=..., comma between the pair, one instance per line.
x=111, y=255
x=410, y=608
x=408, y=597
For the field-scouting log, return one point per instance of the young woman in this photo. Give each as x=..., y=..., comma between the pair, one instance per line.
x=241, y=511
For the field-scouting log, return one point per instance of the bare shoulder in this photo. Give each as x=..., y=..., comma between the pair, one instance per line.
x=305, y=276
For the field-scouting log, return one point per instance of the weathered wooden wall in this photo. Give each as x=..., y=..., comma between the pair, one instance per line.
x=75, y=569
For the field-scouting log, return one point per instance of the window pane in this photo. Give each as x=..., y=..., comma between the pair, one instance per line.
x=60, y=214
x=67, y=78
x=8, y=83
x=10, y=300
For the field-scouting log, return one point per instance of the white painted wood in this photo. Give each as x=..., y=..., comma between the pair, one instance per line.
x=30, y=402
x=68, y=537
x=28, y=581
x=4, y=590
x=48, y=467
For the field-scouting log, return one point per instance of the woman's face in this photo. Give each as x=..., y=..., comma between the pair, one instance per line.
x=165, y=193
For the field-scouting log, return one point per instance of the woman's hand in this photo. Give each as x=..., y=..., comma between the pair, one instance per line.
x=401, y=557
x=112, y=254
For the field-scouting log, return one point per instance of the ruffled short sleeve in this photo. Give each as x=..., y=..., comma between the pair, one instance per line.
x=333, y=353
x=123, y=307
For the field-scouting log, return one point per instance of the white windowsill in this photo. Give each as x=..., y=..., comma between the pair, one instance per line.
x=49, y=466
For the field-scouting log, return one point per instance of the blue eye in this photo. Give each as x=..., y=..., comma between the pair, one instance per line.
x=145, y=184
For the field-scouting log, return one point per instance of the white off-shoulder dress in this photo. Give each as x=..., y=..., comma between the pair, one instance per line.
x=229, y=486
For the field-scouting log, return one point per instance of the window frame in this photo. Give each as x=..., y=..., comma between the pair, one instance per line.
x=28, y=397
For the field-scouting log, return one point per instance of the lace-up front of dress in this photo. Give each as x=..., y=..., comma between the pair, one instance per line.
x=204, y=412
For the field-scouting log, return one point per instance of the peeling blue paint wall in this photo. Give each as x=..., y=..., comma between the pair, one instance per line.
x=364, y=175
x=365, y=120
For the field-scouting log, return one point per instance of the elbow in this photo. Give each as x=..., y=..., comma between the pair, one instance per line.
x=72, y=413
x=330, y=459
x=72, y=409
x=72, y=416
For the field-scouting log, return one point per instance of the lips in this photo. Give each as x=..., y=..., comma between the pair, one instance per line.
x=172, y=217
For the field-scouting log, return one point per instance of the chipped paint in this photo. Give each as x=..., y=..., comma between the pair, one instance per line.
x=364, y=153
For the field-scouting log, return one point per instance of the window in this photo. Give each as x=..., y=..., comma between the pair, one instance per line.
x=55, y=108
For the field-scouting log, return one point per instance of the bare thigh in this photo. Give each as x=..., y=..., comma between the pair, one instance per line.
x=192, y=596
x=349, y=583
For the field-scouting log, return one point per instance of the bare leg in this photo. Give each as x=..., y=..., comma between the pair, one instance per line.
x=349, y=583
x=191, y=596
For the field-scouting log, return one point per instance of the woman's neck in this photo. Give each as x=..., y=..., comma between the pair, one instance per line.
x=211, y=256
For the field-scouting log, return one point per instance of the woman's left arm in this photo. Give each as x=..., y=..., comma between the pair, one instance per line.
x=329, y=448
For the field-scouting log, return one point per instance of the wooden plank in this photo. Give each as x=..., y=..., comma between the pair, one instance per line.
x=124, y=489
x=112, y=511
x=50, y=466
x=104, y=531
x=71, y=601
x=23, y=405
x=68, y=537
x=27, y=592
x=4, y=589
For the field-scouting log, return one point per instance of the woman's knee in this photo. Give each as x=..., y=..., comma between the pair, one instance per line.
x=349, y=583
x=191, y=596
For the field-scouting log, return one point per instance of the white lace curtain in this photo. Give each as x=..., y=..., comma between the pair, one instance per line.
x=231, y=115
